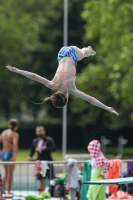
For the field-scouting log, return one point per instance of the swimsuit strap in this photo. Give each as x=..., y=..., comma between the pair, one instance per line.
x=6, y=138
x=63, y=77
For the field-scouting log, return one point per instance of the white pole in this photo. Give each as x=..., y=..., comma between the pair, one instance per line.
x=64, y=122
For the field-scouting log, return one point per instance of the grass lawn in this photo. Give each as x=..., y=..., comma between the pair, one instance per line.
x=23, y=153
x=128, y=153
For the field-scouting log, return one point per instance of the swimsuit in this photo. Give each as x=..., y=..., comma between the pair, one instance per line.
x=6, y=155
x=63, y=77
x=66, y=52
x=6, y=139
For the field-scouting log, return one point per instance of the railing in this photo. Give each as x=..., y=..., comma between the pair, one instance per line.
x=24, y=180
x=77, y=156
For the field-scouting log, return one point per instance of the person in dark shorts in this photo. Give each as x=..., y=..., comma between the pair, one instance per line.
x=43, y=145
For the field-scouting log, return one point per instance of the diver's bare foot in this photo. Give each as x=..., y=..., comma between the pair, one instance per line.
x=91, y=52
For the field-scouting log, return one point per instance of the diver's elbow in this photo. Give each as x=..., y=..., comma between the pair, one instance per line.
x=51, y=85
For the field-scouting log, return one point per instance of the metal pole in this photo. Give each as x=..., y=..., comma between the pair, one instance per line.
x=120, y=146
x=103, y=147
x=64, y=122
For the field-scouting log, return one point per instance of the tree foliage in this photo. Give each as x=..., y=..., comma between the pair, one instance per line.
x=31, y=35
x=109, y=79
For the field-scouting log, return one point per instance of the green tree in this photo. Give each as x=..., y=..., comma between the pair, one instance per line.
x=109, y=78
x=31, y=36
x=15, y=30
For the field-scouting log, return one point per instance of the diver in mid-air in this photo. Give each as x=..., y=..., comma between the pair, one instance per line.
x=65, y=76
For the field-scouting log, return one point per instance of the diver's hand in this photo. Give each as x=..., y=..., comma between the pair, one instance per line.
x=12, y=69
x=112, y=111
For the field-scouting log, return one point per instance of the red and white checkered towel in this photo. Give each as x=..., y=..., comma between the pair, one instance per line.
x=97, y=156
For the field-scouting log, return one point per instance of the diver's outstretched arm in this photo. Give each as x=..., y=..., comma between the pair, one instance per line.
x=91, y=100
x=32, y=76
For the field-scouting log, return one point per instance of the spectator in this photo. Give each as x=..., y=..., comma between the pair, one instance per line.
x=43, y=145
x=9, y=139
